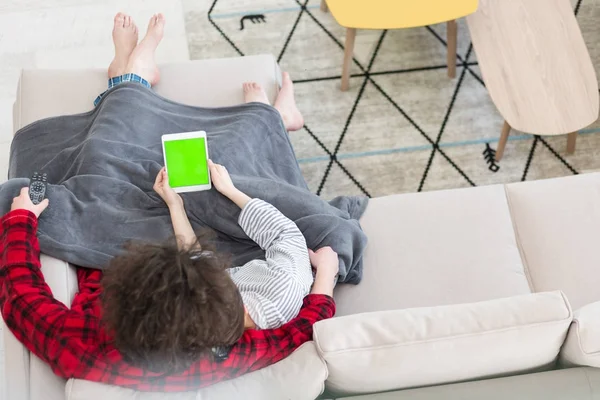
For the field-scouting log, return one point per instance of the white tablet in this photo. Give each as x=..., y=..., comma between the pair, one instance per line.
x=186, y=161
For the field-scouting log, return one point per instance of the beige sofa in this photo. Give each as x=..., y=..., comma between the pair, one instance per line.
x=475, y=293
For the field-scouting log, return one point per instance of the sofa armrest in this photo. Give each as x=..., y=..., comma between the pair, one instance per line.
x=582, y=347
x=62, y=279
x=206, y=83
x=300, y=376
x=16, y=367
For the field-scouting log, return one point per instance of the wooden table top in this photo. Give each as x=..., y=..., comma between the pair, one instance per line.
x=535, y=64
x=394, y=14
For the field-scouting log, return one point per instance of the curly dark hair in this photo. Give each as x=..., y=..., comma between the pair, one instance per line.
x=167, y=307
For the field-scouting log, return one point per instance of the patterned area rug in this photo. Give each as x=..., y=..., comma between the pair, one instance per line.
x=403, y=126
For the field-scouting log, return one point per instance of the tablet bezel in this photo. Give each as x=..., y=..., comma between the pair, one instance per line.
x=180, y=136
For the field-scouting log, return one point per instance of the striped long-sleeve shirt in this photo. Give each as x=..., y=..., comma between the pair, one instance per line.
x=273, y=289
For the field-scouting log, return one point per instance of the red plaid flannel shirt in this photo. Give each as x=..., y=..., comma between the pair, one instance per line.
x=73, y=342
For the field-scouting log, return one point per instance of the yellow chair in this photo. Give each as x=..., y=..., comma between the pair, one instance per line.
x=396, y=14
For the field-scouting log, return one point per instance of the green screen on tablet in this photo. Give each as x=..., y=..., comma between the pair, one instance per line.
x=186, y=162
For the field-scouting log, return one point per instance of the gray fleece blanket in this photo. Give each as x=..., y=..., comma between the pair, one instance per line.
x=101, y=166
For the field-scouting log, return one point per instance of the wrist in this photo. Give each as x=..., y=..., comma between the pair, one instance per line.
x=323, y=285
x=22, y=211
x=231, y=193
x=176, y=206
x=326, y=273
x=238, y=197
x=176, y=210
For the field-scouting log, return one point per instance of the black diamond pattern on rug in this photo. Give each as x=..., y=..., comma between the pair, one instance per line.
x=403, y=126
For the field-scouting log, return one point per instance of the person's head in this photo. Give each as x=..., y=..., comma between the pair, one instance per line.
x=167, y=307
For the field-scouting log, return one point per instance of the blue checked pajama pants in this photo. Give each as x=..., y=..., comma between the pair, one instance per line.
x=112, y=82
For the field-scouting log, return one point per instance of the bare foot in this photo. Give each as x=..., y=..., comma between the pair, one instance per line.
x=125, y=38
x=141, y=62
x=286, y=105
x=253, y=92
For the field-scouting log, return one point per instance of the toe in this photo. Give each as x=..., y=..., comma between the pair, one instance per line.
x=160, y=18
x=245, y=86
x=127, y=21
x=119, y=19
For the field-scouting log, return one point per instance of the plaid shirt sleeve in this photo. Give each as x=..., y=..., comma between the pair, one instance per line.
x=255, y=350
x=260, y=348
x=56, y=334
x=74, y=344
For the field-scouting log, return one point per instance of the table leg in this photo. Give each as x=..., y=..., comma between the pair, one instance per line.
x=348, y=52
x=571, y=140
x=502, y=141
x=451, y=40
x=323, y=6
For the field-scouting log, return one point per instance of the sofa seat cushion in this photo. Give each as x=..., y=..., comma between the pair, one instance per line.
x=582, y=346
x=300, y=376
x=436, y=248
x=23, y=367
x=571, y=384
x=390, y=350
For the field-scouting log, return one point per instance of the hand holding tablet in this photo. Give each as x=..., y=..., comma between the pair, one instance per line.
x=223, y=183
x=186, y=161
x=188, y=169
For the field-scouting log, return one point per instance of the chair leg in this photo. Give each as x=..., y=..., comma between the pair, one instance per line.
x=571, y=140
x=348, y=52
x=323, y=6
x=502, y=141
x=451, y=39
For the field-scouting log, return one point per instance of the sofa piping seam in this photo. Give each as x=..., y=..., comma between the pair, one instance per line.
x=535, y=325
x=587, y=378
x=69, y=388
x=20, y=103
x=581, y=347
x=518, y=241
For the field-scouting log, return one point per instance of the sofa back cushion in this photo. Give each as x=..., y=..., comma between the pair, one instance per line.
x=300, y=376
x=390, y=350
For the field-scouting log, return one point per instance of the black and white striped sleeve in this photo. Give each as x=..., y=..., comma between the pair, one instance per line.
x=277, y=286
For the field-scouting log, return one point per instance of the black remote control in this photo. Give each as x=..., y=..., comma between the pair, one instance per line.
x=221, y=353
x=37, y=187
